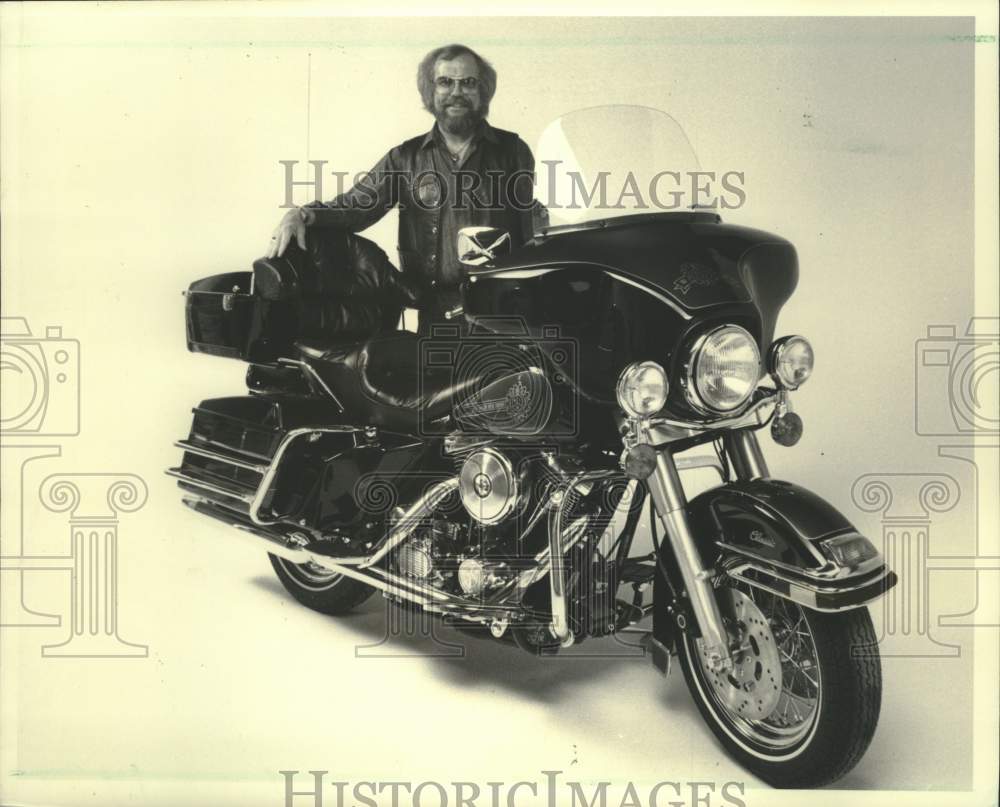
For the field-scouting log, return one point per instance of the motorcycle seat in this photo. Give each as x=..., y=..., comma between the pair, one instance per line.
x=384, y=380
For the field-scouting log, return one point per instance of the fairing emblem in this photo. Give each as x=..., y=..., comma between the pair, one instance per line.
x=694, y=274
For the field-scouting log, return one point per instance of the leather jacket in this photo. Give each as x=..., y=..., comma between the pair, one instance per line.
x=493, y=186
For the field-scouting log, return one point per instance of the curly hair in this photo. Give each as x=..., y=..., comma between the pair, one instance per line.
x=425, y=74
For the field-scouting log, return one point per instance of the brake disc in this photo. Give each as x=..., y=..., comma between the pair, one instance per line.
x=752, y=687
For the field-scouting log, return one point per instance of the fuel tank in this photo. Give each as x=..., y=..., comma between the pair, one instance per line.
x=635, y=288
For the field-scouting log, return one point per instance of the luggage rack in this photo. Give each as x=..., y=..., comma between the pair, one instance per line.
x=252, y=497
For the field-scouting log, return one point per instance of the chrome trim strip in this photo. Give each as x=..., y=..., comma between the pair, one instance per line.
x=198, y=483
x=813, y=587
x=516, y=274
x=804, y=594
x=193, y=448
x=828, y=571
x=226, y=447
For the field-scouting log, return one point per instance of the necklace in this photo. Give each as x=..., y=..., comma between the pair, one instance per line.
x=459, y=154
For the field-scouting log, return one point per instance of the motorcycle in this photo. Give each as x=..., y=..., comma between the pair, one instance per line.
x=496, y=471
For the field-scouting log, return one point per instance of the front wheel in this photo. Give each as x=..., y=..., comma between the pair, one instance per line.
x=800, y=705
x=319, y=588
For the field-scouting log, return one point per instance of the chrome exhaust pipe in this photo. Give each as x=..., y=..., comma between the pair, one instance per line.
x=403, y=525
x=387, y=582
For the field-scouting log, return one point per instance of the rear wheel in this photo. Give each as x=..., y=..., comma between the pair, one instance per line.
x=320, y=589
x=800, y=705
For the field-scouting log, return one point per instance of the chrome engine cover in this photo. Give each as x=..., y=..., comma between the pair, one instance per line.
x=488, y=486
x=414, y=558
x=476, y=577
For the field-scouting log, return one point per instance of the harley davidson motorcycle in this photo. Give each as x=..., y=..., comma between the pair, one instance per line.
x=497, y=470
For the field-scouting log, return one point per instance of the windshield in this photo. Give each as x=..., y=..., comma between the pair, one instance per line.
x=608, y=161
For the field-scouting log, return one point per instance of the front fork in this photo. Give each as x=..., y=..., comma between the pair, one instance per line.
x=671, y=506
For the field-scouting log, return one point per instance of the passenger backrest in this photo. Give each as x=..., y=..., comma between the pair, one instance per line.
x=342, y=287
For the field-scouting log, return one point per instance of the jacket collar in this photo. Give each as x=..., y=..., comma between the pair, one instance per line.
x=484, y=132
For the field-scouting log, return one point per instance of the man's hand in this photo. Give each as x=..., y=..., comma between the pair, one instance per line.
x=293, y=224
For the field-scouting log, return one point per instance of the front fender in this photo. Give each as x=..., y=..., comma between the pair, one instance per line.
x=769, y=534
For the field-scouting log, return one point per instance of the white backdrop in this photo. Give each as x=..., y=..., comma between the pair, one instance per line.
x=140, y=152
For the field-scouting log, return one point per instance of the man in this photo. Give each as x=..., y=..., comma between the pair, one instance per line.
x=463, y=172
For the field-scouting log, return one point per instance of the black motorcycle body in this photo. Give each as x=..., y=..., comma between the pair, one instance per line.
x=478, y=470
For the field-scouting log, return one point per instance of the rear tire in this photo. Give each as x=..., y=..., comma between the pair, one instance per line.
x=808, y=748
x=320, y=589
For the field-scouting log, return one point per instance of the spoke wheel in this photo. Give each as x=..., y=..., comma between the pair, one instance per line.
x=800, y=705
x=772, y=693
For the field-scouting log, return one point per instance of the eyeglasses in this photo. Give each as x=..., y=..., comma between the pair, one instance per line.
x=448, y=83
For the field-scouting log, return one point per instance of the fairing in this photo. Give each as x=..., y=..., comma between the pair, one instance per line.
x=638, y=288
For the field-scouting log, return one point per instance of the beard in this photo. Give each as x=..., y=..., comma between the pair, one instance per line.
x=461, y=124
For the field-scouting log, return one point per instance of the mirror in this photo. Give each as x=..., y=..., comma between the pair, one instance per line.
x=479, y=245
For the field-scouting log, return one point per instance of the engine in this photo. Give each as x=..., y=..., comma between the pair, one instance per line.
x=480, y=545
x=467, y=559
x=469, y=550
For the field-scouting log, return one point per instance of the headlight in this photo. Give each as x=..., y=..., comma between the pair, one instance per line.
x=790, y=361
x=723, y=370
x=642, y=389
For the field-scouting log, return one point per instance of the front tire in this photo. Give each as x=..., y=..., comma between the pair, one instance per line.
x=320, y=589
x=829, y=682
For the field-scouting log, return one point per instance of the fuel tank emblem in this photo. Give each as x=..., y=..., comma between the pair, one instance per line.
x=518, y=399
x=515, y=402
x=694, y=274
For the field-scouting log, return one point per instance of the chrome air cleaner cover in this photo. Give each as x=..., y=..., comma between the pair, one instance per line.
x=488, y=486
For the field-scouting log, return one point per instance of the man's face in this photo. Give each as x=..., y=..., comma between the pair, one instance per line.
x=458, y=100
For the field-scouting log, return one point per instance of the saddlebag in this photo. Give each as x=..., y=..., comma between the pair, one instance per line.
x=281, y=458
x=236, y=445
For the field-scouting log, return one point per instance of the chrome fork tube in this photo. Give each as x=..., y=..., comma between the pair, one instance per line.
x=745, y=454
x=668, y=497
